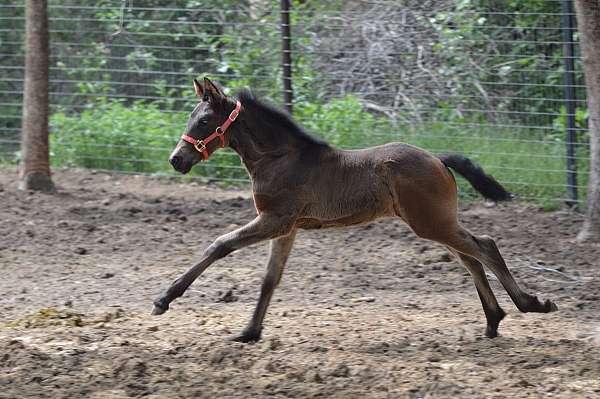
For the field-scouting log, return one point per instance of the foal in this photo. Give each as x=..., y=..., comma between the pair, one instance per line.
x=300, y=182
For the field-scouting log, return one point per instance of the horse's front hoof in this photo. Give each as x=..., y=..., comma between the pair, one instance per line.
x=245, y=337
x=491, y=332
x=159, y=308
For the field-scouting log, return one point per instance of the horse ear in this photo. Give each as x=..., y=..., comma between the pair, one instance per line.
x=198, y=88
x=211, y=89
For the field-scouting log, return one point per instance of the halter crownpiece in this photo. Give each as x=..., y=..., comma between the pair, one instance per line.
x=219, y=132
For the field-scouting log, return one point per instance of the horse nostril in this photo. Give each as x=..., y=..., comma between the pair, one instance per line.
x=175, y=161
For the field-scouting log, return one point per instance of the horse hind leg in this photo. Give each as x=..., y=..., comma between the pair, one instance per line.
x=493, y=312
x=484, y=249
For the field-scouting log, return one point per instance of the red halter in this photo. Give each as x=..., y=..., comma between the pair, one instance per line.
x=219, y=132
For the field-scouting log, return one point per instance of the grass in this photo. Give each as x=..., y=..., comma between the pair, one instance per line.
x=526, y=163
x=138, y=138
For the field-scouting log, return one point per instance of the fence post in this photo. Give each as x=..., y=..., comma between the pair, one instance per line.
x=566, y=26
x=286, y=59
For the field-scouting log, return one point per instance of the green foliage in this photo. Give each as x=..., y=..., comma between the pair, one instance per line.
x=560, y=124
x=140, y=136
x=342, y=122
x=134, y=138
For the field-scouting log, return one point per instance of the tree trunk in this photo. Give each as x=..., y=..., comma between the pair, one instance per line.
x=588, y=20
x=35, y=161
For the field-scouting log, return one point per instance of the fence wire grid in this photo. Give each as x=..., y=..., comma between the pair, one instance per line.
x=498, y=81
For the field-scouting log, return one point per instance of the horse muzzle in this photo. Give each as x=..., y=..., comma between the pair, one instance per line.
x=180, y=164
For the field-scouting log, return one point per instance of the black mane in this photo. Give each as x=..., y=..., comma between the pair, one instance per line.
x=276, y=118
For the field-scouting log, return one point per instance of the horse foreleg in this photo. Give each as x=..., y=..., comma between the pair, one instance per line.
x=280, y=250
x=262, y=228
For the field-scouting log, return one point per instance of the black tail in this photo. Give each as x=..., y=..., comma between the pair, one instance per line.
x=485, y=184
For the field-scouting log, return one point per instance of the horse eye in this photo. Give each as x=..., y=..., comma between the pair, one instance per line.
x=203, y=121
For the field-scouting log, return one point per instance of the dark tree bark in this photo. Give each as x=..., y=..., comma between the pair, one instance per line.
x=588, y=20
x=34, y=169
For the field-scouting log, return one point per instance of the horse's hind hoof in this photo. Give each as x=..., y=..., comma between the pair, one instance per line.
x=550, y=306
x=533, y=304
x=245, y=337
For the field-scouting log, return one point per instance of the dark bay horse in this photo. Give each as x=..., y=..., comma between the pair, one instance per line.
x=301, y=182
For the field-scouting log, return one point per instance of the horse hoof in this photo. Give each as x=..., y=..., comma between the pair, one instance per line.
x=157, y=310
x=244, y=337
x=491, y=332
x=550, y=306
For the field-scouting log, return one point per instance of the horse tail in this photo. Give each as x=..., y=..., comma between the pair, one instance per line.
x=485, y=184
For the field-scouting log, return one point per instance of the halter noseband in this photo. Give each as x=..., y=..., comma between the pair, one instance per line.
x=219, y=132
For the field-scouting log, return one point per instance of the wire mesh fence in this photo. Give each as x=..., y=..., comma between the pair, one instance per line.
x=500, y=82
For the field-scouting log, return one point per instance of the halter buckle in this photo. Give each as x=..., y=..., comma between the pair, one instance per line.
x=233, y=115
x=200, y=145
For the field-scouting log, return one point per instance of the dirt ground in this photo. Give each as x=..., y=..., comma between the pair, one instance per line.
x=368, y=312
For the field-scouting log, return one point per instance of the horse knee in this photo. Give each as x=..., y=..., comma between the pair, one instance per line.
x=218, y=249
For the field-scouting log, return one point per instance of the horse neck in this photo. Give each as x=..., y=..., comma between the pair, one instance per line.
x=256, y=144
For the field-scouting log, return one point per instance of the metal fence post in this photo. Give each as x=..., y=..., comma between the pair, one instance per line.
x=566, y=22
x=286, y=59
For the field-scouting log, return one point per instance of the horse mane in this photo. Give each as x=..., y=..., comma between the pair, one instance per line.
x=276, y=118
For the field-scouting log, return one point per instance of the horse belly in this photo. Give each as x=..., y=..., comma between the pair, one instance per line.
x=346, y=209
x=352, y=220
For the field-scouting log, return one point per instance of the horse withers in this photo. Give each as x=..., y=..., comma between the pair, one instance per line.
x=301, y=182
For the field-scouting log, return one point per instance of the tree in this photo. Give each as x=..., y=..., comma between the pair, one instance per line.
x=588, y=20
x=34, y=169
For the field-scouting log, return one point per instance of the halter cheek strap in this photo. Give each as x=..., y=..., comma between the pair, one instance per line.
x=219, y=132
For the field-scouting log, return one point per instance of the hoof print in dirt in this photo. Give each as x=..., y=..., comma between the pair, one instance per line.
x=228, y=297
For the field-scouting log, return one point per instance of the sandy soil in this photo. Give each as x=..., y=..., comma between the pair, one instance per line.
x=369, y=312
